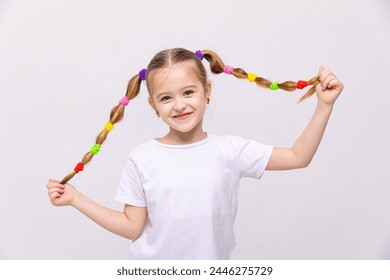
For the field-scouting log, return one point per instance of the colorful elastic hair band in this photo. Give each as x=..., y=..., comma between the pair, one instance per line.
x=252, y=77
x=142, y=74
x=124, y=101
x=108, y=126
x=199, y=54
x=301, y=84
x=274, y=86
x=95, y=149
x=79, y=167
x=228, y=69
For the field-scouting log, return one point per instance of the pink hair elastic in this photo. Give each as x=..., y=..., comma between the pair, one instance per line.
x=228, y=69
x=124, y=101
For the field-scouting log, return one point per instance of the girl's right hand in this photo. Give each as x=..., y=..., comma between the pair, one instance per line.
x=61, y=195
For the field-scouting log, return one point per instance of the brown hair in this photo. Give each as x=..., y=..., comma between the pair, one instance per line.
x=217, y=67
x=170, y=57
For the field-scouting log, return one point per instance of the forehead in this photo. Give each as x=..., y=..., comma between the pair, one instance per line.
x=173, y=77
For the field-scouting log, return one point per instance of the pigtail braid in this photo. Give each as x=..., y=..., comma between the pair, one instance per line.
x=217, y=67
x=116, y=115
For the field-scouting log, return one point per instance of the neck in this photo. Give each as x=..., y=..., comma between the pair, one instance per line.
x=175, y=137
x=184, y=138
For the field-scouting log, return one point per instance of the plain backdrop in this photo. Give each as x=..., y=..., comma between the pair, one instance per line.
x=65, y=64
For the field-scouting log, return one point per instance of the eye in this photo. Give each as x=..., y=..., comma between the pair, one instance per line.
x=165, y=98
x=188, y=92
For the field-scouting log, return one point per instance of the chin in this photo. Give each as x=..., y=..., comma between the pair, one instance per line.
x=183, y=130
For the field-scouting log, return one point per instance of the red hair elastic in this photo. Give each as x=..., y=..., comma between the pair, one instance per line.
x=301, y=84
x=79, y=167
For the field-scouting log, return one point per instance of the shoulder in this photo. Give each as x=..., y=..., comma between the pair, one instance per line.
x=231, y=140
x=229, y=143
x=141, y=150
x=237, y=144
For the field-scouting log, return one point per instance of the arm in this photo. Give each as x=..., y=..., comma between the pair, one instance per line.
x=301, y=154
x=128, y=224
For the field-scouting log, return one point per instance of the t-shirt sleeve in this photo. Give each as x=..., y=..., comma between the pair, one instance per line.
x=251, y=157
x=130, y=190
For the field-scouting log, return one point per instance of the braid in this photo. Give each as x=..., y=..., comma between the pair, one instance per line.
x=217, y=67
x=116, y=115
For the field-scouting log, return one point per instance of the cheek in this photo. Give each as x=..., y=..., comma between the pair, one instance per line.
x=166, y=109
x=201, y=102
x=201, y=107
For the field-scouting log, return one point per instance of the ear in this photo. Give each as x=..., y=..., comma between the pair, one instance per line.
x=207, y=90
x=151, y=103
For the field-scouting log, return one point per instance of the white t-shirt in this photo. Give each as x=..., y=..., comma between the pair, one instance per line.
x=191, y=194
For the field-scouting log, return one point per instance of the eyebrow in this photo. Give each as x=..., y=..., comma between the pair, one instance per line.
x=186, y=87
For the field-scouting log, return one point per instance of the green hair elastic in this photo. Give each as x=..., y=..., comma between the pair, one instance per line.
x=274, y=86
x=95, y=149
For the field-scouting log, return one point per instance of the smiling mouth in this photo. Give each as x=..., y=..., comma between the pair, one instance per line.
x=183, y=115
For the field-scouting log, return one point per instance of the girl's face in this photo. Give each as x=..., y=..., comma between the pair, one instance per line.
x=179, y=96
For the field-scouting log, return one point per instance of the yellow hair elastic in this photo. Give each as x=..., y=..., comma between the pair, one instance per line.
x=252, y=77
x=109, y=126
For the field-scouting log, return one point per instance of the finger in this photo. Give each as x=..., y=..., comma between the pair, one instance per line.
x=325, y=72
x=54, y=195
x=333, y=83
x=55, y=185
x=326, y=79
x=50, y=183
x=58, y=190
x=53, y=181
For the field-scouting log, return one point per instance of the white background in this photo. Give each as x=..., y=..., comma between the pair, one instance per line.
x=65, y=64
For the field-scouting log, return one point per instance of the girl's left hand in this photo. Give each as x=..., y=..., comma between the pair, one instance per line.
x=329, y=87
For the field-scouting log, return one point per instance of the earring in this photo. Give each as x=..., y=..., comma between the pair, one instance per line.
x=208, y=100
x=158, y=114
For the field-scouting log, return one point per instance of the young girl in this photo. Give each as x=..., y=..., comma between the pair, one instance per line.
x=180, y=191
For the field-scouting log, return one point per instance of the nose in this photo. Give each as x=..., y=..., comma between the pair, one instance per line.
x=180, y=104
